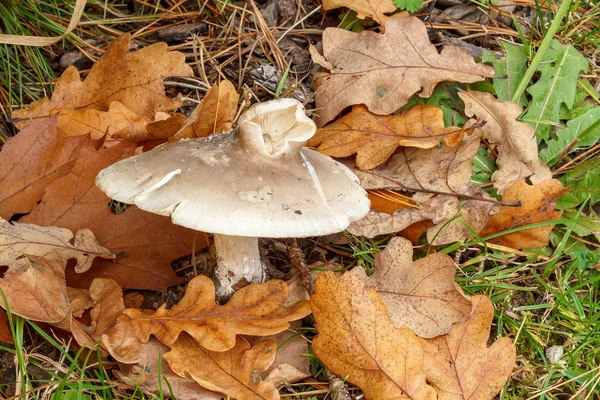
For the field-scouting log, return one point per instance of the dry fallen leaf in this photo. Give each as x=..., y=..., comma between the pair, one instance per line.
x=19, y=240
x=443, y=170
x=374, y=138
x=291, y=363
x=214, y=114
x=461, y=366
x=382, y=71
x=357, y=340
x=108, y=306
x=516, y=142
x=235, y=372
x=419, y=295
x=374, y=9
x=37, y=290
x=145, y=242
x=440, y=177
x=255, y=310
x=5, y=333
x=97, y=123
x=143, y=376
x=134, y=78
x=29, y=162
x=538, y=205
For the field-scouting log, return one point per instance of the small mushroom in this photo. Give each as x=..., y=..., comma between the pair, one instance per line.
x=255, y=181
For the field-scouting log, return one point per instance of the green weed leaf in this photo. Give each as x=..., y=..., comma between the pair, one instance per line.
x=409, y=5
x=557, y=85
x=581, y=132
x=513, y=66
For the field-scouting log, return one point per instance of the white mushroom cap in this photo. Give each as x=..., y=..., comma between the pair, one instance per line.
x=256, y=181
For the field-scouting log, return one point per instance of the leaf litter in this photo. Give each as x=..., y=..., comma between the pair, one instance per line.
x=407, y=331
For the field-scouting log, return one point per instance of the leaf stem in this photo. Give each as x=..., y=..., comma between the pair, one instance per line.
x=539, y=55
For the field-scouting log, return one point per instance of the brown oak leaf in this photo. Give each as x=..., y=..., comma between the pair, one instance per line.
x=146, y=243
x=134, y=78
x=290, y=364
x=419, y=295
x=214, y=114
x=460, y=365
x=235, y=372
x=439, y=176
x=18, y=240
x=29, y=162
x=144, y=376
x=37, y=290
x=357, y=340
x=108, y=306
x=374, y=138
x=516, y=142
x=98, y=123
x=382, y=71
x=374, y=9
x=538, y=205
x=253, y=310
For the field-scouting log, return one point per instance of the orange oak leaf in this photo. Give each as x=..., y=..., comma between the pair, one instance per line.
x=146, y=243
x=516, y=142
x=214, y=114
x=29, y=162
x=460, y=365
x=419, y=295
x=538, y=205
x=98, y=123
x=374, y=9
x=357, y=340
x=18, y=240
x=256, y=310
x=134, y=78
x=374, y=138
x=235, y=372
x=382, y=71
x=108, y=306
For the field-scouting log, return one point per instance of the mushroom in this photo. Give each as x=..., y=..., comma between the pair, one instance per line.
x=255, y=181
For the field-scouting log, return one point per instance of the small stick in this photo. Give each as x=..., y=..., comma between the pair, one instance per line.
x=299, y=261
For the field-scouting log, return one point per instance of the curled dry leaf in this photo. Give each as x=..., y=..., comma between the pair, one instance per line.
x=383, y=71
x=143, y=376
x=538, y=204
x=19, y=240
x=443, y=170
x=517, y=145
x=358, y=340
x=253, y=310
x=119, y=75
x=374, y=9
x=440, y=176
x=235, y=372
x=374, y=138
x=81, y=300
x=420, y=295
x=37, y=290
x=29, y=162
x=144, y=241
x=108, y=306
x=214, y=114
x=461, y=366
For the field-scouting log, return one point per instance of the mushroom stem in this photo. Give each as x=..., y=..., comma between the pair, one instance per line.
x=237, y=258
